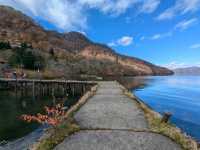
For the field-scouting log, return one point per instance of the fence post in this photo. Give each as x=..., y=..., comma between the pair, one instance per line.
x=166, y=117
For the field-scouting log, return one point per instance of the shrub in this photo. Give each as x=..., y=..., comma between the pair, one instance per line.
x=52, y=117
x=51, y=52
x=29, y=60
x=5, y=45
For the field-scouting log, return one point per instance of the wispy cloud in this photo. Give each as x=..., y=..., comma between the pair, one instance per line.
x=116, y=7
x=195, y=46
x=185, y=24
x=123, y=41
x=109, y=6
x=161, y=35
x=64, y=15
x=72, y=14
x=112, y=44
x=150, y=6
x=157, y=36
x=142, y=38
x=181, y=7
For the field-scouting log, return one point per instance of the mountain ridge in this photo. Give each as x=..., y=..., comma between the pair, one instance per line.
x=187, y=71
x=72, y=49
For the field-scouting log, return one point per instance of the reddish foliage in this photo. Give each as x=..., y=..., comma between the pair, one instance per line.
x=53, y=116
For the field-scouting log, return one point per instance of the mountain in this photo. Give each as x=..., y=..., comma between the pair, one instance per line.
x=75, y=54
x=187, y=71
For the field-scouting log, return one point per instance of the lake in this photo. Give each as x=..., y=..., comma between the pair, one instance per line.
x=179, y=95
x=13, y=105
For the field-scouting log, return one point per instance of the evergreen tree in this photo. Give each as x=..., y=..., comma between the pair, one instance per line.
x=5, y=45
x=25, y=56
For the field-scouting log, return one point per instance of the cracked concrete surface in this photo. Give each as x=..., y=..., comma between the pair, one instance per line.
x=111, y=109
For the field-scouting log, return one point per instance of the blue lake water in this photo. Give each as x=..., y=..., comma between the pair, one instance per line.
x=179, y=95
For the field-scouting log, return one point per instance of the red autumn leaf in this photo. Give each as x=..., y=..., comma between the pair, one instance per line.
x=52, y=117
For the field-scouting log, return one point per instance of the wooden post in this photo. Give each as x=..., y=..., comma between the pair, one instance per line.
x=69, y=89
x=40, y=85
x=48, y=89
x=26, y=88
x=43, y=89
x=198, y=144
x=63, y=88
x=52, y=93
x=83, y=89
x=16, y=86
x=53, y=96
x=33, y=90
x=166, y=117
x=73, y=90
x=21, y=84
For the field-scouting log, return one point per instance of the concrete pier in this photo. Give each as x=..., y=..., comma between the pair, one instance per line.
x=112, y=121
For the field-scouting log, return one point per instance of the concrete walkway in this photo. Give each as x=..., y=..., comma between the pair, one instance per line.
x=112, y=121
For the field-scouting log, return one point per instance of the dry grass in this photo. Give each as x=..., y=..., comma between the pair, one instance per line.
x=52, y=74
x=57, y=135
x=44, y=74
x=31, y=74
x=167, y=129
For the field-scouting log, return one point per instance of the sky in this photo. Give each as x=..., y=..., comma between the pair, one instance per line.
x=164, y=32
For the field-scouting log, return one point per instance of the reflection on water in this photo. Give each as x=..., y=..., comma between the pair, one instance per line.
x=179, y=95
x=13, y=105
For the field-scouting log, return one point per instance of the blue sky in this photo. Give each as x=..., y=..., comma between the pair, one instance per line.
x=164, y=32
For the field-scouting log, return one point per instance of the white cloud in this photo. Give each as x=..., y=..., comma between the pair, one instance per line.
x=123, y=41
x=195, y=46
x=63, y=14
x=117, y=7
x=112, y=44
x=160, y=35
x=156, y=36
x=82, y=32
x=150, y=6
x=183, y=25
x=168, y=14
x=181, y=7
x=72, y=14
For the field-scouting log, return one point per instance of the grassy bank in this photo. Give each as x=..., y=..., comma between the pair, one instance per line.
x=55, y=136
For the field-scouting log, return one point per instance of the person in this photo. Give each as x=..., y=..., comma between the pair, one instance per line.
x=15, y=75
